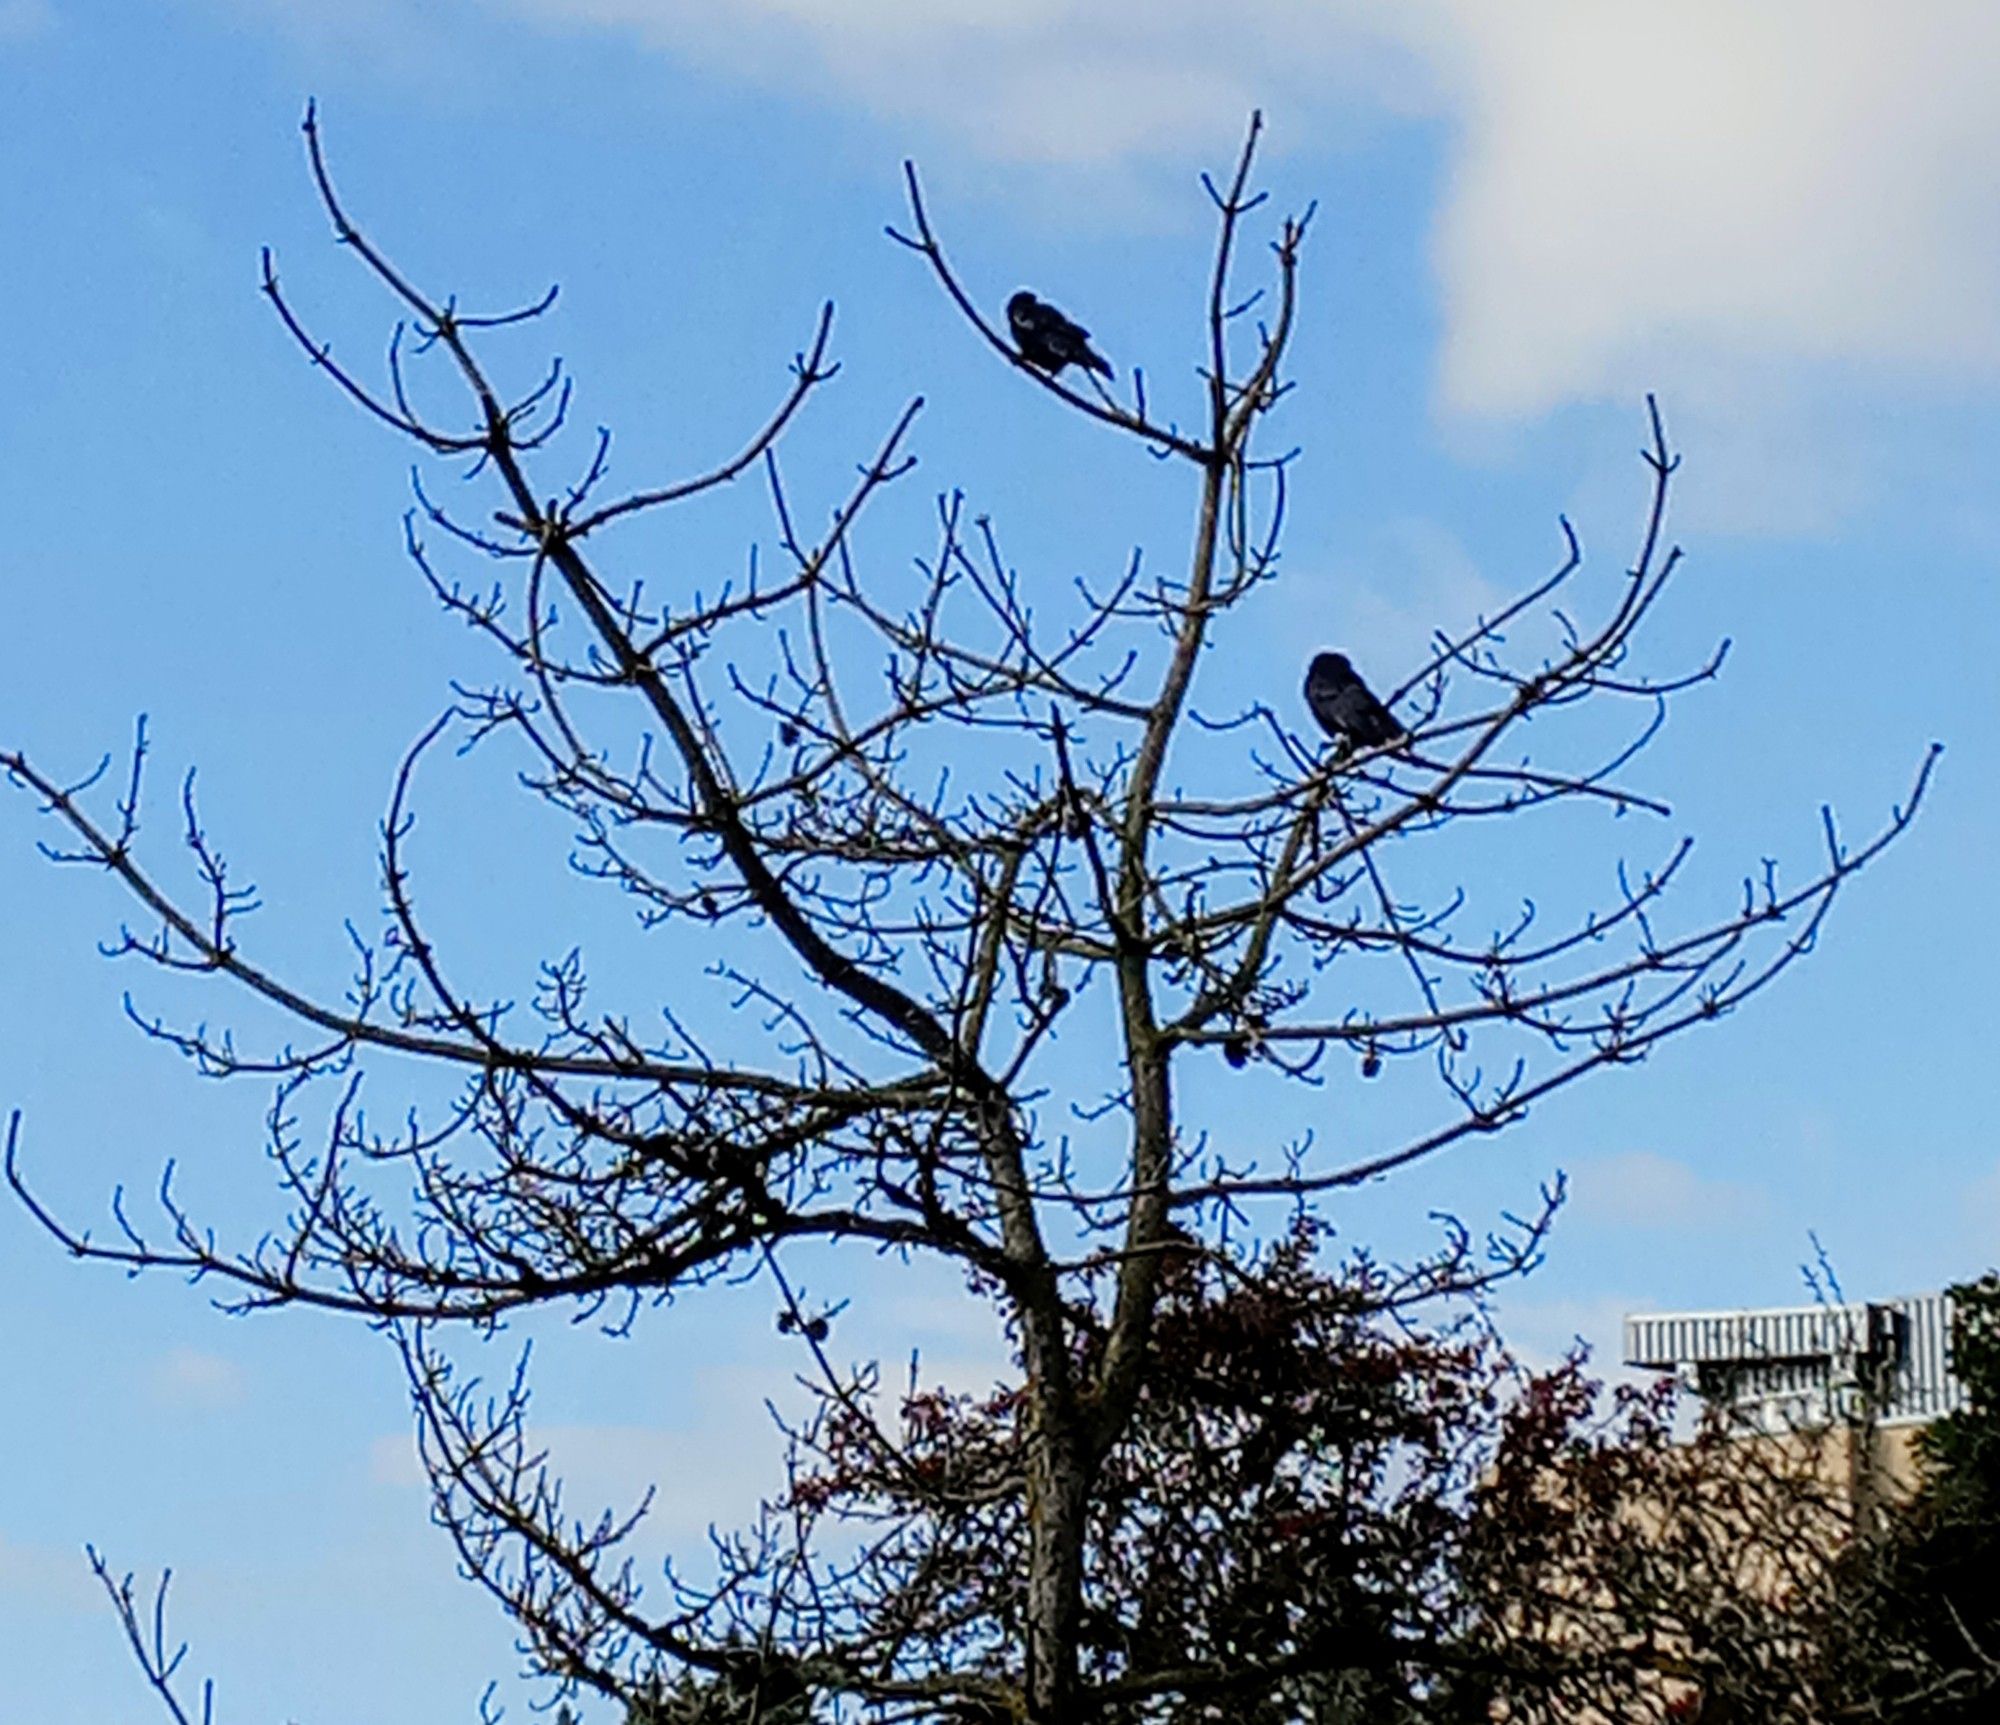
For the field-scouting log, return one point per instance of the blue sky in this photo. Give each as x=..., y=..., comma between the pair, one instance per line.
x=1785, y=229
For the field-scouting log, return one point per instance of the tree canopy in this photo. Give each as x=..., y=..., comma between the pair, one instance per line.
x=929, y=825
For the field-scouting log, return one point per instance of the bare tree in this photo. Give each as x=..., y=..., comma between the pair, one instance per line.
x=928, y=829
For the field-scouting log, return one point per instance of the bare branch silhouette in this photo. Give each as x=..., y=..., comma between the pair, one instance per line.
x=924, y=829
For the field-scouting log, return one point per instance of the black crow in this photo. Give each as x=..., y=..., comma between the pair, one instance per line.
x=1345, y=707
x=1048, y=339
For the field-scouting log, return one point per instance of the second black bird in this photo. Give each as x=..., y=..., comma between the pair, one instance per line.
x=1346, y=707
x=1049, y=340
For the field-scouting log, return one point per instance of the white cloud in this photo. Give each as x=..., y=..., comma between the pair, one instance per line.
x=392, y=1460
x=387, y=36
x=716, y=1466
x=1542, y=1332
x=1774, y=213
x=1643, y=190
x=189, y=1378
x=1979, y=1209
x=1642, y=1189
x=42, y=1576
x=19, y=18
x=1024, y=80
x=714, y=1473
x=1718, y=199
x=1410, y=579
x=712, y=1469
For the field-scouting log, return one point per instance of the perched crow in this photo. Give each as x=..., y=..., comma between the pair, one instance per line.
x=1048, y=339
x=1345, y=707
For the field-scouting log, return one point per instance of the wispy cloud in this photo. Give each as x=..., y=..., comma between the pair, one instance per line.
x=1643, y=1189
x=1543, y=1331
x=45, y=1577
x=711, y=1469
x=1757, y=211
x=1723, y=202
x=1386, y=601
x=389, y=36
x=714, y=1473
x=189, y=1378
x=1072, y=81
x=19, y=18
x=715, y=1468
x=1978, y=1221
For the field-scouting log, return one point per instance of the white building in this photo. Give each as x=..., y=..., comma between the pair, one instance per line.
x=1802, y=1365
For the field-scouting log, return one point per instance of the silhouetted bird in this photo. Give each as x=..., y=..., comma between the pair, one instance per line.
x=1344, y=705
x=1048, y=339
